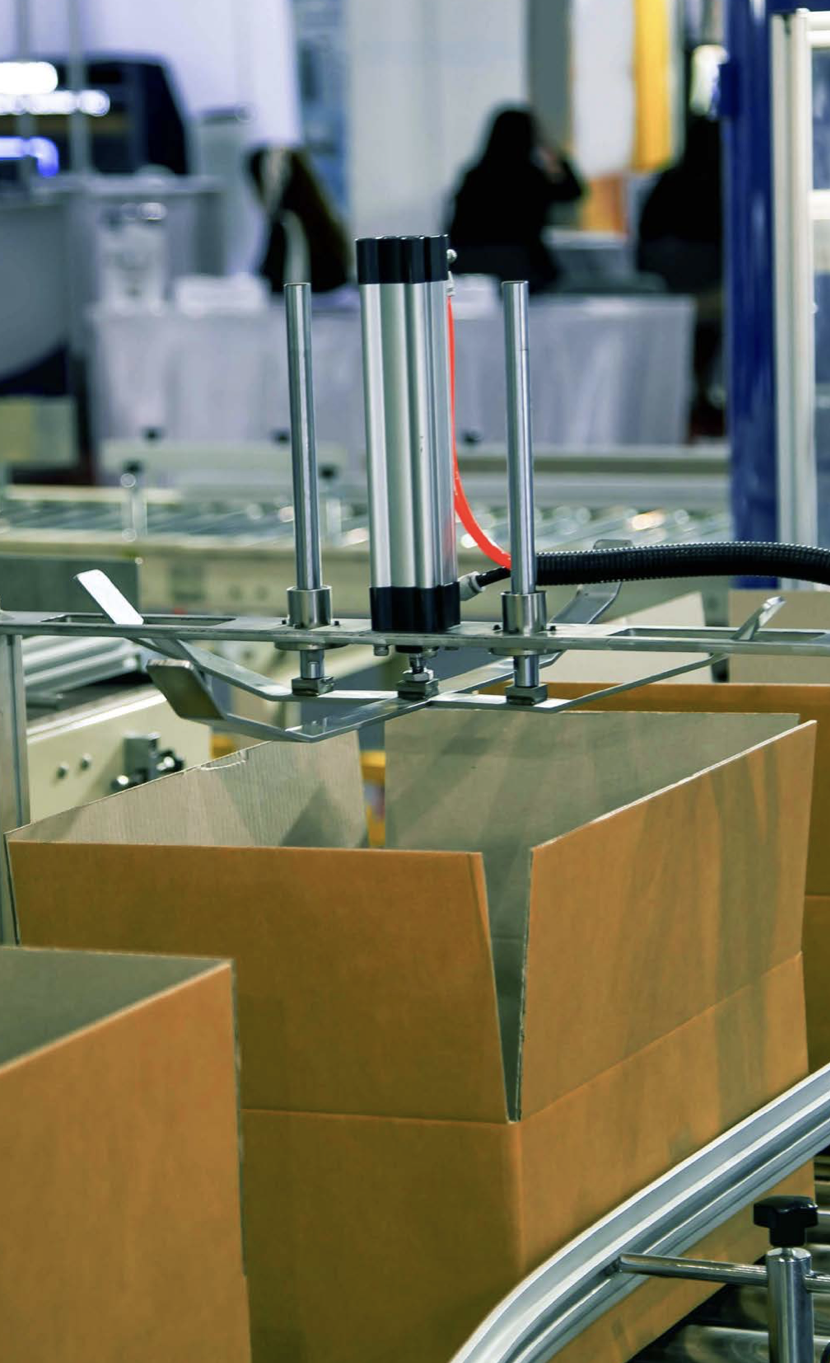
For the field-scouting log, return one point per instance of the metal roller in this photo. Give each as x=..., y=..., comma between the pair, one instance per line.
x=716, y=1344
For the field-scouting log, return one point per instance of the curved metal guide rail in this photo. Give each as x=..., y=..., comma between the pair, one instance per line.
x=580, y=1282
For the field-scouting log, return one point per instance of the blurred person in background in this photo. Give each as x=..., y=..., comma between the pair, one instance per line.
x=504, y=201
x=680, y=238
x=305, y=241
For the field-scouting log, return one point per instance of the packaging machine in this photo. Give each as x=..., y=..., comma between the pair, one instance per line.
x=418, y=607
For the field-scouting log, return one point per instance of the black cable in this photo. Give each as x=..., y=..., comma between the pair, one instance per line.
x=802, y=563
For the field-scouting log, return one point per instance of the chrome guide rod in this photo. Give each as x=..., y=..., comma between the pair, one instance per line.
x=80, y=148
x=523, y=606
x=24, y=123
x=519, y=449
x=309, y=603
x=303, y=444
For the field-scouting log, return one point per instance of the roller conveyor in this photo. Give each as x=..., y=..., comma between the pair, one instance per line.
x=237, y=554
x=717, y=1344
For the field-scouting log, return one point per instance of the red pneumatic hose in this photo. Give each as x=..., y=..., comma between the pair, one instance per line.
x=463, y=510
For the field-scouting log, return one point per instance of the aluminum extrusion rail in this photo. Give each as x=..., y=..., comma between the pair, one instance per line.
x=580, y=1283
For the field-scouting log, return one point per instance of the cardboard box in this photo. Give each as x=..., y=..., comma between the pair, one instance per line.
x=119, y=1161
x=580, y=963
x=812, y=704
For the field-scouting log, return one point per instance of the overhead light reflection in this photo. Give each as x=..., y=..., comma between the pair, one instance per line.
x=27, y=78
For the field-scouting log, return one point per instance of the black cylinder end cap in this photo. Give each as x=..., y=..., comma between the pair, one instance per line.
x=367, y=260
x=435, y=249
x=401, y=260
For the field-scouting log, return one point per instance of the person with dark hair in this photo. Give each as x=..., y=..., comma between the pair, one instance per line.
x=680, y=238
x=305, y=240
x=504, y=202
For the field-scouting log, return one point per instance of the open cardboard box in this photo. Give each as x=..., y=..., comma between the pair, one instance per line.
x=119, y=1161
x=578, y=962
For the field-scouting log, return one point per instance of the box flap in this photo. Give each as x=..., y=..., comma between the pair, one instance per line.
x=661, y=910
x=364, y=979
x=270, y=795
x=809, y=702
x=504, y=782
x=46, y=995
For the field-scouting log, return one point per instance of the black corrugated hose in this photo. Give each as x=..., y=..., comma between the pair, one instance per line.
x=632, y=564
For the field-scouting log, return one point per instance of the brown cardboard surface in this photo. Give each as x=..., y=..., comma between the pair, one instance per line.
x=119, y=1173
x=803, y=609
x=632, y=1122
x=364, y=979
x=725, y=898
x=809, y=703
x=396, y=1237
x=270, y=795
x=525, y=778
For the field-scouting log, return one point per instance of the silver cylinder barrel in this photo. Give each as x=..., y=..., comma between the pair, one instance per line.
x=404, y=294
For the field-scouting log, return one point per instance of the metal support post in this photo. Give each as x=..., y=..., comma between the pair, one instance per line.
x=309, y=603
x=24, y=123
x=789, y=1306
x=523, y=607
x=789, y=1273
x=80, y=152
x=14, y=769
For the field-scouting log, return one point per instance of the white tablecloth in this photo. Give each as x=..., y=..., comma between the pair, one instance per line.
x=604, y=371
